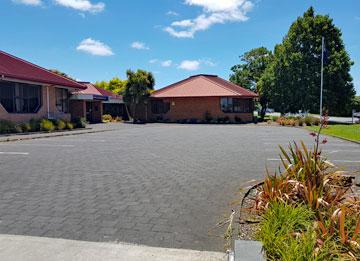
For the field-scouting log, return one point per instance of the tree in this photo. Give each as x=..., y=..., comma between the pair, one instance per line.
x=115, y=85
x=249, y=72
x=356, y=104
x=56, y=71
x=137, y=89
x=293, y=80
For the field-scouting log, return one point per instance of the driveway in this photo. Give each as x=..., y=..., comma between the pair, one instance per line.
x=157, y=185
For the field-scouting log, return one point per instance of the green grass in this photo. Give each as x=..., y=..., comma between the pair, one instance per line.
x=351, y=132
x=277, y=233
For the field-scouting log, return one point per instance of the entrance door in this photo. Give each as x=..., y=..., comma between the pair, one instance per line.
x=89, y=110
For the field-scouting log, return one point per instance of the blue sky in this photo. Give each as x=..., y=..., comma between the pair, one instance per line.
x=98, y=39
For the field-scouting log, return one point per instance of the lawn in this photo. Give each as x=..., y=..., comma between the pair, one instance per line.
x=350, y=132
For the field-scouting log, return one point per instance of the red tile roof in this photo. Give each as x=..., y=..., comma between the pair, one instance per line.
x=18, y=69
x=94, y=90
x=203, y=85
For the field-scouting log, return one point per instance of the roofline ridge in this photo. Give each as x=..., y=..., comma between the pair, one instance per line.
x=39, y=67
x=221, y=85
x=235, y=85
x=182, y=82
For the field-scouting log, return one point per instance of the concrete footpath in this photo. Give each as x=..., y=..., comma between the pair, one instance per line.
x=24, y=248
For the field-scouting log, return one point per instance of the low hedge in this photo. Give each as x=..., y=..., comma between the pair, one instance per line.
x=34, y=125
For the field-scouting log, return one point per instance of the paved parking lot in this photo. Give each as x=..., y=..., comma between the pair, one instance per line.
x=157, y=185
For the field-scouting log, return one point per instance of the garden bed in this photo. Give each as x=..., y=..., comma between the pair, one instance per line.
x=308, y=210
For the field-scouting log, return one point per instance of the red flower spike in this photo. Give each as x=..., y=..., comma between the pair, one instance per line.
x=313, y=134
x=324, y=141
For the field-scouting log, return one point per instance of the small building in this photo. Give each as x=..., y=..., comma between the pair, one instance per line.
x=202, y=98
x=28, y=91
x=93, y=102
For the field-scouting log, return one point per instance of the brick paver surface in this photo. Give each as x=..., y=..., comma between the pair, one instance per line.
x=158, y=185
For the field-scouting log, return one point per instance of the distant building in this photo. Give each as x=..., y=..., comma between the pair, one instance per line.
x=201, y=97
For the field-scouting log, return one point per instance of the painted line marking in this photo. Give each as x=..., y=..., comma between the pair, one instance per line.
x=39, y=145
x=346, y=161
x=14, y=153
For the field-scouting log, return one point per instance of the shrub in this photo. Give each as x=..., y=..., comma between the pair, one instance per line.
x=60, y=125
x=274, y=118
x=301, y=121
x=69, y=126
x=308, y=121
x=18, y=128
x=35, y=124
x=316, y=121
x=220, y=120
x=7, y=127
x=46, y=125
x=79, y=123
x=25, y=127
x=226, y=119
x=107, y=118
x=281, y=222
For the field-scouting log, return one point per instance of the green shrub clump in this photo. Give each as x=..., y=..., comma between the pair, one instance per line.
x=79, y=123
x=35, y=124
x=25, y=127
x=69, y=126
x=287, y=232
x=47, y=125
x=7, y=127
x=107, y=118
x=60, y=125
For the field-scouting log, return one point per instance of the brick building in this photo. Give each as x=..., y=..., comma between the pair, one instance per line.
x=28, y=91
x=92, y=102
x=200, y=98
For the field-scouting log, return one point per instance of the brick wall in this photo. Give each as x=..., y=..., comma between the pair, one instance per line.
x=42, y=113
x=77, y=109
x=195, y=108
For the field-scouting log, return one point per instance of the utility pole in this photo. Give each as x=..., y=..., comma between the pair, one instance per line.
x=322, y=76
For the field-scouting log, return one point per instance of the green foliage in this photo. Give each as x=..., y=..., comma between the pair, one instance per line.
x=56, y=71
x=69, y=126
x=35, y=124
x=138, y=88
x=292, y=80
x=79, y=123
x=7, y=127
x=356, y=104
x=47, y=125
x=25, y=127
x=107, y=118
x=60, y=125
x=249, y=72
x=286, y=232
x=115, y=85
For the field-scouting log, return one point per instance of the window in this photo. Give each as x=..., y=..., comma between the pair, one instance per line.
x=235, y=105
x=160, y=107
x=62, y=100
x=20, y=97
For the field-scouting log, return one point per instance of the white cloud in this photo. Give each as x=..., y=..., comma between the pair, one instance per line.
x=82, y=5
x=166, y=63
x=172, y=13
x=28, y=2
x=189, y=65
x=94, y=47
x=139, y=46
x=214, y=12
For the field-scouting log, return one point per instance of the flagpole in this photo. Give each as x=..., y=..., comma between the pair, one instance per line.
x=322, y=76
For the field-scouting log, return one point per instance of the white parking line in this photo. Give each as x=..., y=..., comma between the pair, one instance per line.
x=14, y=153
x=346, y=161
x=38, y=145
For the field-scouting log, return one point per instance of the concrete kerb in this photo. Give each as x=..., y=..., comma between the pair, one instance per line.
x=41, y=249
x=43, y=135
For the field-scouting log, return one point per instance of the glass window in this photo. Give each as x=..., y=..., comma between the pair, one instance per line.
x=235, y=105
x=160, y=107
x=20, y=97
x=62, y=100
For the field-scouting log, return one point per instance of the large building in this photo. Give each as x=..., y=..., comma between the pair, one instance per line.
x=28, y=91
x=200, y=98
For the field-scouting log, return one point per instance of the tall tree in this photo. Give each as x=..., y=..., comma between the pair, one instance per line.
x=248, y=73
x=115, y=85
x=137, y=90
x=293, y=80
